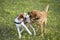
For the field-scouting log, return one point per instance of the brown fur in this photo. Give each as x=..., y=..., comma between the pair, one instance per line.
x=20, y=16
x=40, y=17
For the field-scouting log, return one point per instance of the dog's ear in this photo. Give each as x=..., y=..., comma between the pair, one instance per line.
x=34, y=14
x=20, y=16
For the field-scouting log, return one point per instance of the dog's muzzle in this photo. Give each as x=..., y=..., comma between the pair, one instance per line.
x=37, y=18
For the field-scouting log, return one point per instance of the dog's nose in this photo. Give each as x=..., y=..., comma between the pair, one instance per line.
x=30, y=16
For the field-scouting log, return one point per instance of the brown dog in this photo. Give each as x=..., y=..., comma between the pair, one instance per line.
x=40, y=17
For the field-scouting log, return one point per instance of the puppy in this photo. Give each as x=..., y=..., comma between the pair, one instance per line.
x=19, y=22
x=40, y=17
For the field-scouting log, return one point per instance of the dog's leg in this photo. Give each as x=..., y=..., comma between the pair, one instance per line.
x=37, y=28
x=22, y=30
x=32, y=29
x=26, y=28
x=41, y=29
x=45, y=27
x=19, y=33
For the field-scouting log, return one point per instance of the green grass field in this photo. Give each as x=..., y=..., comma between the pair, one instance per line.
x=9, y=9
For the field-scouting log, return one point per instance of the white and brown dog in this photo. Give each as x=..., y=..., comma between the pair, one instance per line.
x=40, y=17
x=20, y=21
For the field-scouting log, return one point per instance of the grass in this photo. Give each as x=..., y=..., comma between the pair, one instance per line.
x=9, y=9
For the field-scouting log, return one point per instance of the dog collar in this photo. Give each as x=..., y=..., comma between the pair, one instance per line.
x=18, y=22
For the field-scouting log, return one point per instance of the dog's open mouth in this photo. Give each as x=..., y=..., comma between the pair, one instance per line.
x=37, y=18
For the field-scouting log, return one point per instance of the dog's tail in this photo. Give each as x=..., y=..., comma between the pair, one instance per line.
x=47, y=7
